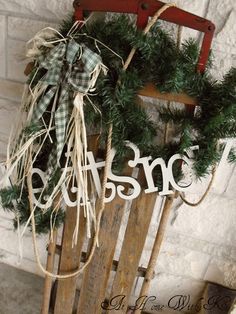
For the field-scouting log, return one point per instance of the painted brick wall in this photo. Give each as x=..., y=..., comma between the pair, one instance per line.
x=200, y=242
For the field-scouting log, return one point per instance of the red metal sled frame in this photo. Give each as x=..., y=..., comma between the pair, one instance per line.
x=145, y=9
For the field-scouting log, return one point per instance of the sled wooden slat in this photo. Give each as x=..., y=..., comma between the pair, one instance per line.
x=150, y=90
x=70, y=257
x=96, y=275
x=69, y=262
x=136, y=232
x=140, y=272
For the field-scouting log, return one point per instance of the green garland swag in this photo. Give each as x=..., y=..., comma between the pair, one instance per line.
x=171, y=69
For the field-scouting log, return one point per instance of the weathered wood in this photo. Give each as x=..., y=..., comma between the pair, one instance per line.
x=69, y=262
x=50, y=266
x=96, y=275
x=70, y=257
x=156, y=248
x=134, y=240
x=140, y=272
x=150, y=90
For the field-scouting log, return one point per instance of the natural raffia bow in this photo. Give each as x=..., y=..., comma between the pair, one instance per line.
x=72, y=69
x=68, y=72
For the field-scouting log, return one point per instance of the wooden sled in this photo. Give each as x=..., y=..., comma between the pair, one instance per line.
x=121, y=273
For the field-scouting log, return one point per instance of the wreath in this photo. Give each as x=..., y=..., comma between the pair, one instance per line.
x=78, y=80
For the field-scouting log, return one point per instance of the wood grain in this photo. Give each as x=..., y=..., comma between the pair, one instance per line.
x=96, y=275
x=140, y=273
x=133, y=244
x=156, y=248
x=70, y=257
x=69, y=262
x=150, y=90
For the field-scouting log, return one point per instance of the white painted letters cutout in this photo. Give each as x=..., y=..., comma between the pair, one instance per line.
x=148, y=166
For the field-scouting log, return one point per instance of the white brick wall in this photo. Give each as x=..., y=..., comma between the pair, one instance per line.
x=200, y=242
x=3, y=45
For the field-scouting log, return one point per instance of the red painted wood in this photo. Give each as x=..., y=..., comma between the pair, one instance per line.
x=173, y=14
x=147, y=8
x=205, y=50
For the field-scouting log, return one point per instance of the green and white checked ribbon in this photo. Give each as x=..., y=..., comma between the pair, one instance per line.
x=69, y=66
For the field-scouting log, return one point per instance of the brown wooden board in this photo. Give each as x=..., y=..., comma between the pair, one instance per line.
x=150, y=90
x=96, y=275
x=69, y=262
x=70, y=257
x=136, y=232
x=140, y=273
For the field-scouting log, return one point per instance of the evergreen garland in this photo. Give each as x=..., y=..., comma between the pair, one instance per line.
x=171, y=69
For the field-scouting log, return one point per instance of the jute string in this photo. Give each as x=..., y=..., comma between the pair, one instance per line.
x=204, y=195
x=146, y=30
x=105, y=178
x=179, y=37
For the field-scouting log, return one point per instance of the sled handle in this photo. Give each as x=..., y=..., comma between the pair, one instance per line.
x=146, y=8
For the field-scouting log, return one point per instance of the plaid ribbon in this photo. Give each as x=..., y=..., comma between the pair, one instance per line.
x=69, y=66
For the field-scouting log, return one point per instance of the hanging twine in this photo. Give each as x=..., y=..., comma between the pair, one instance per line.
x=179, y=37
x=105, y=178
x=146, y=30
x=213, y=174
x=204, y=195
